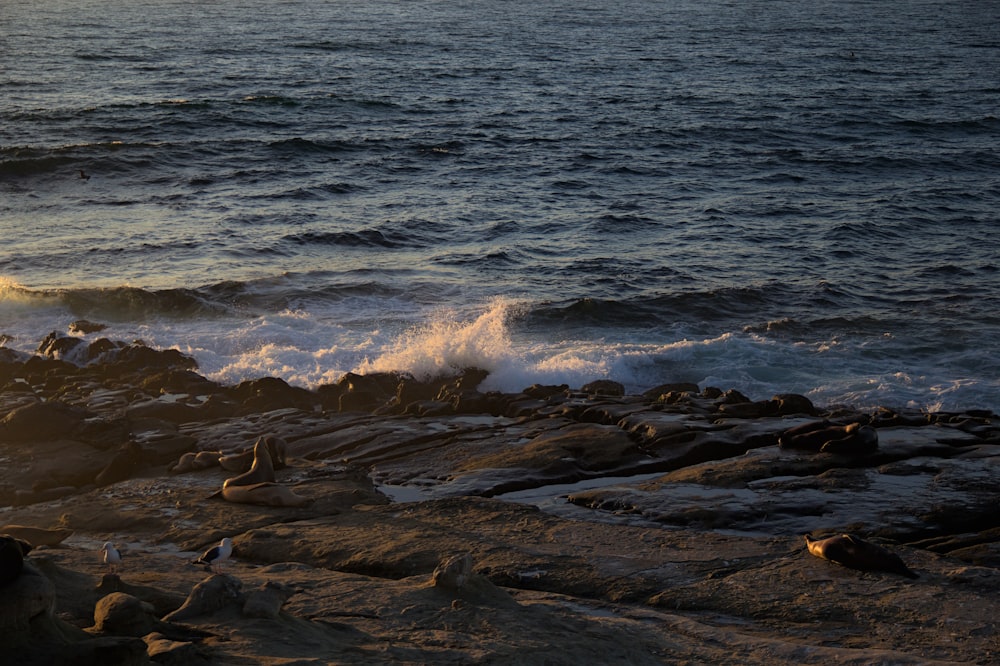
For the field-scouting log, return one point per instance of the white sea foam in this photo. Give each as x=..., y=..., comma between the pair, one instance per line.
x=313, y=348
x=446, y=345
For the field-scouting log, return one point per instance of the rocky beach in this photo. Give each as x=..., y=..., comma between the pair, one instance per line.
x=399, y=520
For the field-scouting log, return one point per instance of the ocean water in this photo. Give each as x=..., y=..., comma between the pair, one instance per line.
x=773, y=196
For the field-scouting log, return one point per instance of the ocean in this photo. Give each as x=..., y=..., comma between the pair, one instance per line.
x=767, y=195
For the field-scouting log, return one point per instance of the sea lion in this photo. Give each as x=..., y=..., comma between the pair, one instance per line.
x=826, y=437
x=242, y=461
x=266, y=494
x=36, y=536
x=194, y=462
x=278, y=449
x=809, y=436
x=262, y=470
x=854, y=552
x=237, y=462
x=858, y=440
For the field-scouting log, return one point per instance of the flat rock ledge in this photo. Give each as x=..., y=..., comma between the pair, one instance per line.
x=441, y=524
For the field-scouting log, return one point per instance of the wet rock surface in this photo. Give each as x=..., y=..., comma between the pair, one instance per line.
x=442, y=524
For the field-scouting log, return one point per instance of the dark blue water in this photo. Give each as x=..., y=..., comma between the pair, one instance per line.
x=771, y=196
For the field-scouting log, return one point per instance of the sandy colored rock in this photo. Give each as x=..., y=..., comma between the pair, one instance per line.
x=210, y=595
x=124, y=615
x=162, y=650
x=266, y=601
x=453, y=572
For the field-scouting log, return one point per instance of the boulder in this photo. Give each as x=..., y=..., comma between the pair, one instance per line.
x=166, y=652
x=271, y=393
x=267, y=600
x=40, y=421
x=84, y=327
x=58, y=346
x=12, y=552
x=122, y=614
x=453, y=572
x=604, y=387
x=28, y=598
x=210, y=595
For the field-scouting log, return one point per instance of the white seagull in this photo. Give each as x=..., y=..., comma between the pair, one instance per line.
x=112, y=556
x=216, y=555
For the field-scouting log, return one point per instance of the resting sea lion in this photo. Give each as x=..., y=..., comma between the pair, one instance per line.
x=856, y=553
x=858, y=440
x=184, y=464
x=267, y=494
x=237, y=462
x=36, y=536
x=192, y=462
x=261, y=471
x=824, y=436
x=809, y=436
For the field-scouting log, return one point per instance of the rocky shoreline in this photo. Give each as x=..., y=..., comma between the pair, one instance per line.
x=411, y=521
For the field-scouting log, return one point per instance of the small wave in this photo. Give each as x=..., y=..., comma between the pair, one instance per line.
x=369, y=103
x=132, y=303
x=118, y=304
x=495, y=259
x=359, y=239
x=33, y=166
x=299, y=146
x=987, y=123
x=26, y=162
x=346, y=45
x=591, y=311
x=276, y=100
x=617, y=224
x=313, y=193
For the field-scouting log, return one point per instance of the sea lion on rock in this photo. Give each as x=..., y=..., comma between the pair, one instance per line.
x=262, y=470
x=858, y=440
x=856, y=553
x=36, y=536
x=266, y=494
x=237, y=462
x=826, y=437
x=278, y=449
x=809, y=436
x=242, y=461
x=184, y=464
x=193, y=462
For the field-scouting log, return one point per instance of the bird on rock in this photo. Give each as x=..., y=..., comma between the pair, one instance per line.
x=111, y=556
x=216, y=555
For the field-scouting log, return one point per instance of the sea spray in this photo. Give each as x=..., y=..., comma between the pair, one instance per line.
x=445, y=345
